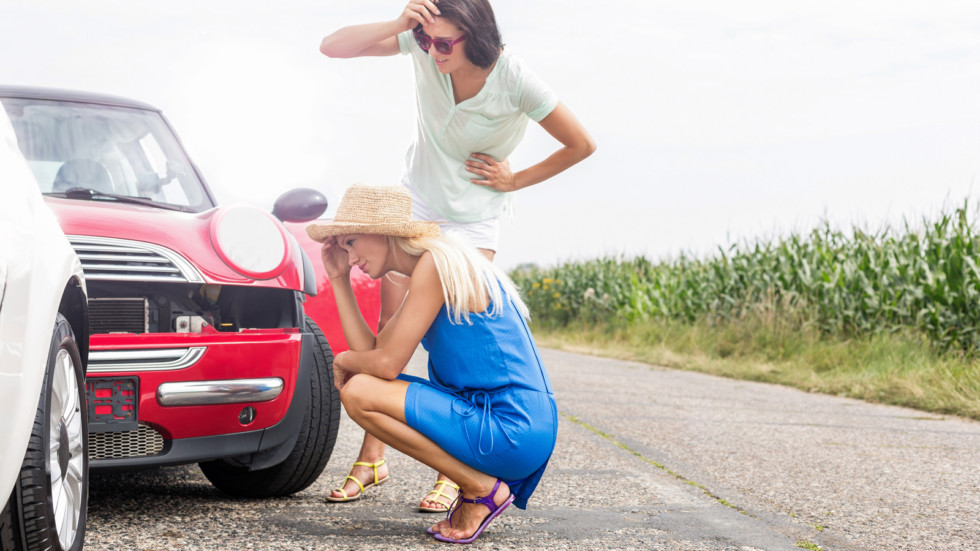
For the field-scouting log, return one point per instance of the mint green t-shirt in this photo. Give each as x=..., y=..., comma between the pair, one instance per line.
x=492, y=122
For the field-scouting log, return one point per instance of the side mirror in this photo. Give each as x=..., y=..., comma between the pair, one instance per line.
x=300, y=205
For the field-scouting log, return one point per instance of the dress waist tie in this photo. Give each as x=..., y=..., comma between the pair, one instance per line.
x=466, y=406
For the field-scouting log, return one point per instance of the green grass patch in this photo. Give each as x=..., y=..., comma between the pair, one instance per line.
x=891, y=368
x=889, y=316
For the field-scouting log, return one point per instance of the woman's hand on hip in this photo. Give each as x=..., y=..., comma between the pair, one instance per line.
x=491, y=172
x=418, y=12
x=335, y=259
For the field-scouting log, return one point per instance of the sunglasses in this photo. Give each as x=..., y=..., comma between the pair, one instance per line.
x=444, y=47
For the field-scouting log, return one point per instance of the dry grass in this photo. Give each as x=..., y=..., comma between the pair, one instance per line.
x=898, y=369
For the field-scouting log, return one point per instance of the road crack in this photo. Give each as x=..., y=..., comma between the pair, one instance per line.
x=619, y=444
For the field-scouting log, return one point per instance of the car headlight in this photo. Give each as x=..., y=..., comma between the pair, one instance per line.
x=249, y=241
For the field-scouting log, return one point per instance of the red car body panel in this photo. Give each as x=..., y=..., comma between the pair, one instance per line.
x=255, y=353
x=188, y=234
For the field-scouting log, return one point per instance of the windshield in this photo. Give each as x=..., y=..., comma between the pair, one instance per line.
x=107, y=149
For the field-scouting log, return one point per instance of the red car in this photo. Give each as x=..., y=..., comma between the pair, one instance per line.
x=212, y=328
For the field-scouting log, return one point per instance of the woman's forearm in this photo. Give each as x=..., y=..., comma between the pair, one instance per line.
x=358, y=40
x=556, y=163
x=378, y=363
x=356, y=331
x=575, y=139
x=405, y=330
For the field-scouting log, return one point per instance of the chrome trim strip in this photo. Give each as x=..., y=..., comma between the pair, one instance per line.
x=208, y=393
x=144, y=278
x=122, y=268
x=149, y=359
x=87, y=245
x=97, y=253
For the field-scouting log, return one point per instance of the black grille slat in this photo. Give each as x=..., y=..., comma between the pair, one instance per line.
x=118, y=315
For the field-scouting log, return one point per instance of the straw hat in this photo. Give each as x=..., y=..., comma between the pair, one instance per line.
x=383, y=210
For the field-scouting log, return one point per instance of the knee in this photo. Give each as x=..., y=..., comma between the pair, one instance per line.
x=354, y=394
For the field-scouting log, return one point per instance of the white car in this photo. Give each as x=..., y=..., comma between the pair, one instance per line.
x=43, y=353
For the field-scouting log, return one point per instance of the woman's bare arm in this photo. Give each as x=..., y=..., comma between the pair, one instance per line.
x=356, y=331
x=403, y=333
x=377, y=39
x=564, y=127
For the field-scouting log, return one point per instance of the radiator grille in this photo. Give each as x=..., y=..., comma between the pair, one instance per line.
x=118, y=315
x=142, y=442
x=122, y=260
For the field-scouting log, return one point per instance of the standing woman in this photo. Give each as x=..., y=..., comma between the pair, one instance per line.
x=486, y=415
x=473, y=100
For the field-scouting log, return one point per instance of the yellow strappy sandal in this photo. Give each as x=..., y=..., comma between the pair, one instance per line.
x=363, y=487
x=437, y=492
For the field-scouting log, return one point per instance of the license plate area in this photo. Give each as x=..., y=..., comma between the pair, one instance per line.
x=112, y=403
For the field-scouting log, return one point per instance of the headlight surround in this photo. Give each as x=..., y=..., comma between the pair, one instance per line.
x=250, y=241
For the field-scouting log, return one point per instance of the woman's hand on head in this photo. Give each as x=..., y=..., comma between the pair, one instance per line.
x=491, y=173
x=418, y=12
x=334, y=259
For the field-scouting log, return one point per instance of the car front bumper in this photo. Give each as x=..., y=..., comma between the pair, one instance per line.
x=192, y=391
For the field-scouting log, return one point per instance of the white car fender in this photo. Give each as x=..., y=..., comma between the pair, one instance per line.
x=36, y=263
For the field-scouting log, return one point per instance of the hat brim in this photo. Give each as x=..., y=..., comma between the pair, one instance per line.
x=414, y=228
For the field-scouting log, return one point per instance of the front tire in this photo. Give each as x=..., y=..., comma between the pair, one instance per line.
x=48, y=507
x=317, y=436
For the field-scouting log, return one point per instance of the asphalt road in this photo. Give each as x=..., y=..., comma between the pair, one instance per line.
x=647, y=458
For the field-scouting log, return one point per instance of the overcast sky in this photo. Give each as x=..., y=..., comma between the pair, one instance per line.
x=716, y=121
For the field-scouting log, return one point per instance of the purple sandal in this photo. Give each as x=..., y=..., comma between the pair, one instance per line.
x=485, y=500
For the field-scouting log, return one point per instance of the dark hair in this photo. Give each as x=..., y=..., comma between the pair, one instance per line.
x=475, y=18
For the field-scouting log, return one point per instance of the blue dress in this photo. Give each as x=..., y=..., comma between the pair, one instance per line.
x=488, y=401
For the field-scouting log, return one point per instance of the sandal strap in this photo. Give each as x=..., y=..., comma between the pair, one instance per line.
x=445, y=483
x=350, y=476
x=485, y=500
x=453, y=507
x=372, y=465
x=356, y=481
x=439, y=493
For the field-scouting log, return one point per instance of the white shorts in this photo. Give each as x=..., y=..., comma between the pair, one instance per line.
x=484, y=234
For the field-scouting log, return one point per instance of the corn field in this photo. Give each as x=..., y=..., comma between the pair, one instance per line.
x=843, y=283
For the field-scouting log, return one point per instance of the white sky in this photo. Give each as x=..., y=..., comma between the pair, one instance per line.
x=717, y=121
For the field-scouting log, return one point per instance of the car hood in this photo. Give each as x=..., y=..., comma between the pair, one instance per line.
x=187, y=234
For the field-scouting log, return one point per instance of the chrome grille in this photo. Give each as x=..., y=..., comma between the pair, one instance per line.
x=142, y=442
x=104, y=258
x=118, y=315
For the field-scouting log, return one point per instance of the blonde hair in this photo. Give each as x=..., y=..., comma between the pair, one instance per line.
x=467, y=276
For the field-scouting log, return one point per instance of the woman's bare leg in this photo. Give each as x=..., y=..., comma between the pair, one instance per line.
x=378, y=406
x=393, y=290
x=372, y=450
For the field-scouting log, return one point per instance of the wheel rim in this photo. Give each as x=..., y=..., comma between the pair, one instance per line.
x=66, y=458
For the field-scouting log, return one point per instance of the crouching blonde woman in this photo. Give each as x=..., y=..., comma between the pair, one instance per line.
x=486, y=416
